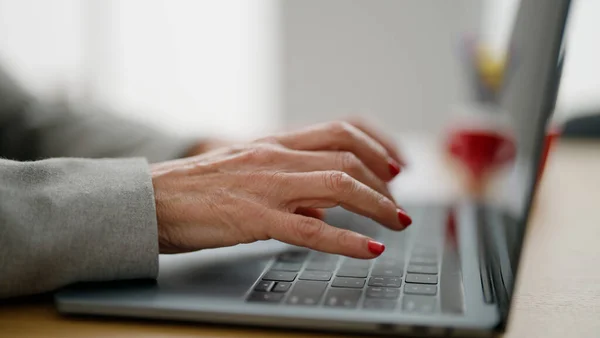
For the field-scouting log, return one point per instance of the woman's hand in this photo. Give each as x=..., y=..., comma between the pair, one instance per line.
x=268, y=188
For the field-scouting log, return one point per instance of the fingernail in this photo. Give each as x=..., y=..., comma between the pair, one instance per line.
x=376, y=247
x=394, y=167
x=404, y=218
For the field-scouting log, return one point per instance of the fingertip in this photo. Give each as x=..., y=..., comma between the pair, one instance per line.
x=365, y=248
x=376, y=248
x=404, y=219
x=398, y=220
x=393, y=167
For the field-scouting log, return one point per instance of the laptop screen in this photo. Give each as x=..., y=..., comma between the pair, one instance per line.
x=527, y=100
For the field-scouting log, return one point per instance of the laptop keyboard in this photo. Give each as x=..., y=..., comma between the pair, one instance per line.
x=405, y=278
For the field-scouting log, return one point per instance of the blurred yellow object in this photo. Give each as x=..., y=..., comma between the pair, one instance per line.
x=490, y=68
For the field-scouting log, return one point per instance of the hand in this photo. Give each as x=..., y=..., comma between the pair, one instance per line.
x=251, y=192
x=211, y=144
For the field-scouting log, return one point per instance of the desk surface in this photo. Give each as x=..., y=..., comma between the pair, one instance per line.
x=558, y=292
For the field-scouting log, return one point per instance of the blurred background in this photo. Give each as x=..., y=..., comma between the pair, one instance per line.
x=241, y=67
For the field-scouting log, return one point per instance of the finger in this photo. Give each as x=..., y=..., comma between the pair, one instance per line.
x=343, y=136
x=308, y=161
x=386, y=141
x=318, y=235
x=311, y=212
x=328, y=189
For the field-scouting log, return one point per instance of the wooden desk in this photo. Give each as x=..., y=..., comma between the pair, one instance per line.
x=558, y=294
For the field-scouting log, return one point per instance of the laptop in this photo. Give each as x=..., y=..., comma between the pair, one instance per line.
x=451, y=273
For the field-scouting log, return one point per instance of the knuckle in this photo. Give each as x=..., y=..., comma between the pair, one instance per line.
x=339, y=182
x=344, y=239
x=274, y=181
x=348, y=161
x=384, y=203
x=255, y=233
x=250, y=155
x=268, y=186
x=261, y=153
x=357, y=120
x=341, y=128
x=267, y=140
x=310, y=231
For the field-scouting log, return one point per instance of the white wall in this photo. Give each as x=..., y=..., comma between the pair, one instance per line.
x=41, y=42
x=194, y=66
x=394, y=61
x=580, y=86
x=190, y=66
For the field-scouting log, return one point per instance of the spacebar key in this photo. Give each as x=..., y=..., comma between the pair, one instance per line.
x=307, y=293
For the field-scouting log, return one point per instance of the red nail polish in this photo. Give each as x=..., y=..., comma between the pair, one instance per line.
x=394, y=168
x=376, y=247
x=404, y=218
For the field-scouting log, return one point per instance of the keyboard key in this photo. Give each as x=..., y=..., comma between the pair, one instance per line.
x=395, y=246
x=282, y=287
x=420, y=289
x=356, y=263
x=324, y=257
x=321, y=266
x=375, y=292
x=293, y=256
x=345, y=298
x=392, y=254
x=287, y=266
x=264, y=286
x=422, y=260
x=280, y=276
x=418, y=304
x=421, y=279
x=343, y=282
x=353, y=272
x=316, y=275
x=387, y=293
x=265, y=297
x=390, y=282
x=379, y=304
x=380, y=271
x=376, y=281
x=389, y=262
x=425, y=252
x=306, y=293
x=426, y=269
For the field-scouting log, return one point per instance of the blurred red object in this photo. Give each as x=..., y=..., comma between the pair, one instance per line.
x=481, y=151
x=550, y=139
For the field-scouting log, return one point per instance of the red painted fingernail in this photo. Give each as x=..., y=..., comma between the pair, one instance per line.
x=404, y=218
x=376, y=247
x=394, y=168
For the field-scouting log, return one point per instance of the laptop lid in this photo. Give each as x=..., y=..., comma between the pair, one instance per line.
x=528, y=99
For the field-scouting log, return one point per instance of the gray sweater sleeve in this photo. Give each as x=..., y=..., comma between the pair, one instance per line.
x=68, y=220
